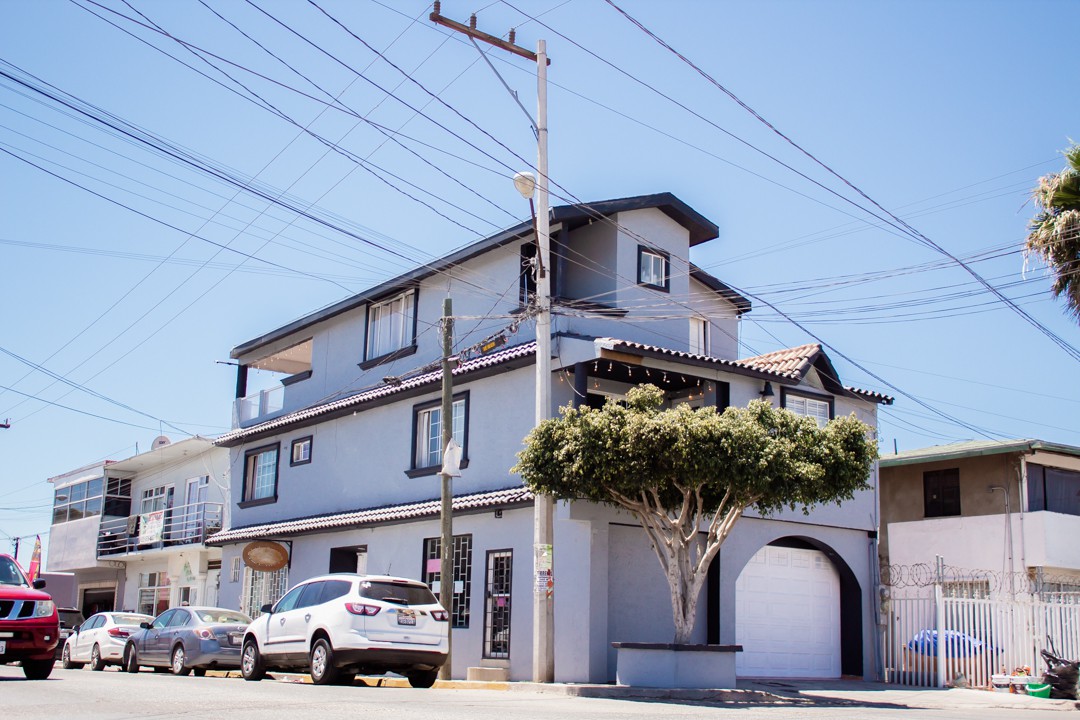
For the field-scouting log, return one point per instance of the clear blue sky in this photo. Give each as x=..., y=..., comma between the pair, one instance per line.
x=945, y=113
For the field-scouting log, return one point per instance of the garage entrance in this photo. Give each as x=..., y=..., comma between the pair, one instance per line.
x=798, y=613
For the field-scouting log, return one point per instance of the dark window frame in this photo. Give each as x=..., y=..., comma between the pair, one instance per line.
x=248, y=479
x=463, y=566
x=403, y=351
x=293, y=462
x=808, y=395
x=415, y=470
x=666, y=256
x=941, y=493
x=489, y=650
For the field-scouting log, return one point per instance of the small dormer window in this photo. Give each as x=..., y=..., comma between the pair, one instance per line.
x=654, y=268
x=391, y=325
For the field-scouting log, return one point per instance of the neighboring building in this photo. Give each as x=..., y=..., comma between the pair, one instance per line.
x=338, y=463
x=967, y=501
x=132, y=531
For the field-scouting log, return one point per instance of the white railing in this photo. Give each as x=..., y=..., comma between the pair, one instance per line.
x=181, y=525
x=981, y=638
x=255, y=406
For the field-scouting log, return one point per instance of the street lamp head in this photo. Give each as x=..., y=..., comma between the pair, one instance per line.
x=525, y=182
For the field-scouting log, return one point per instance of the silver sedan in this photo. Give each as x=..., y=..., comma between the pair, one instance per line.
x=188, y=638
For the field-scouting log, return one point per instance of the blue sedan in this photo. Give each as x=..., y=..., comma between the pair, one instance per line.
x=188, y=638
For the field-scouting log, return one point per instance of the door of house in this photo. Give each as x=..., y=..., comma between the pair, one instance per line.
x=191, y=519
x=500, y=565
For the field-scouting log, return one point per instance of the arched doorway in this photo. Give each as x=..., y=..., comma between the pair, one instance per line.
x=798, y=612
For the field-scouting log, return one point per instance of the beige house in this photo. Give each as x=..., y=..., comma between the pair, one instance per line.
x=1003, y=515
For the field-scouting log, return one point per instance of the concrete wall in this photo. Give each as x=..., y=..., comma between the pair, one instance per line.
x=1039, y=539
x=360, y=460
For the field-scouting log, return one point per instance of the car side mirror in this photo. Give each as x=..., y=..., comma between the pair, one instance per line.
x=144, y=625
x=267, y=608
x=76, y=628
x=38, y=584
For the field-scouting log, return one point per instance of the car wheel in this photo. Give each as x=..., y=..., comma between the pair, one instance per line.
x=179, y=661
x=200, y=672
x=37, y=669
x=131, y=660
x=66, y=662
x=323, y=671
x=251, y=663
x=422, y=678
x=96, y=663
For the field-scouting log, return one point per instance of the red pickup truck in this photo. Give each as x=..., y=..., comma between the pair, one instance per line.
x=29, y=625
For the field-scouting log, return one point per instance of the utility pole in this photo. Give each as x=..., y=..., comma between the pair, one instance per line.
x=543, y=508
x=446, y=545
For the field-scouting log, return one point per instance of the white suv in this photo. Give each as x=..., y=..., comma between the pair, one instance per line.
x=339, y=625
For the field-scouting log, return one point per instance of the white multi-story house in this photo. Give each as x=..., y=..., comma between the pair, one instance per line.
x=132, y=531
x=337, y=464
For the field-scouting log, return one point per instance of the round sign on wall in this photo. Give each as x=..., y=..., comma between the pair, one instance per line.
x=265, y=556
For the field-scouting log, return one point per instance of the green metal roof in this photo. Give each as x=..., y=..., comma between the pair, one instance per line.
x=973, y=448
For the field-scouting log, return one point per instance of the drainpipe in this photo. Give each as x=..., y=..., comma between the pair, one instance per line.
x=1023, y=503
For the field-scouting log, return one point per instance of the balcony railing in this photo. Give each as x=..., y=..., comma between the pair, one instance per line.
x=182, y=525
x=258, y=405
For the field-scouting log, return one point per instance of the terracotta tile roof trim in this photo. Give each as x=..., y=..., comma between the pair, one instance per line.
x=614, y=344
x=789, y=364
x=429, y=378
x=369, y=516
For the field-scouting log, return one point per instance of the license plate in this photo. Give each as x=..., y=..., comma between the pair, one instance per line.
x=406, y=617
x=3, y=646
x=234, y=638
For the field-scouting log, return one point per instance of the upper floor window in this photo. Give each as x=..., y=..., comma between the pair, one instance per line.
x=653, y=268
x=1053, y=489
x=941, y=493
x=809, y=406
x=428, y=422
x=391, y=325
x=261, y=474
x=78, y=500
x=699, y=336
x=301, y=451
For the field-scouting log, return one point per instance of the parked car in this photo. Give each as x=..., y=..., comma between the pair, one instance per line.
x=188, y=638
x=336, y=626
x=29, y=626
x=69, y=619
x=100, y=640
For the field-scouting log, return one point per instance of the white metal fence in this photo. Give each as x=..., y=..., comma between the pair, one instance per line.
x=936, y=641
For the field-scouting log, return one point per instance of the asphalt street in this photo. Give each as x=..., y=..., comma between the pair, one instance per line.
x=114, y=695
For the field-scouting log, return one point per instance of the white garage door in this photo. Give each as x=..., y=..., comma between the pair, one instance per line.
x=787, y=604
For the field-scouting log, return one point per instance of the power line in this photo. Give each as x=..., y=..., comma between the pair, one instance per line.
x=1056, y=339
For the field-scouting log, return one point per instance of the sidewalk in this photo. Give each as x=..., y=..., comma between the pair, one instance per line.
x=836, y=693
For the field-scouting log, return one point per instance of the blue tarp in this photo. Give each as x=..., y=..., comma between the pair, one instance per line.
x=957, y=644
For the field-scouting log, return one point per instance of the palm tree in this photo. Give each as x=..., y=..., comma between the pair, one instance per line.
x=1054, y=233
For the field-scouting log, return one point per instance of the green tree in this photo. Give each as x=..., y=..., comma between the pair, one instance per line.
x=1054, y=233
x=681, y=470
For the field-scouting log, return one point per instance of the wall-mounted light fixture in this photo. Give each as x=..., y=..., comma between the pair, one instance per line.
x=767, y=391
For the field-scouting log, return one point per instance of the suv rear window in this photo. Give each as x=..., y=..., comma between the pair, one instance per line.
x=70, y=618
x=399, y=593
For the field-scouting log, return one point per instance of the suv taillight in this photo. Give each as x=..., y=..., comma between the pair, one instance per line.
x=362, y=609
x=440, y=615
x=118, y=632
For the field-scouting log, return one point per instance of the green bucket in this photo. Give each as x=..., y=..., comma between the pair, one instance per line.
x=1040, y=690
